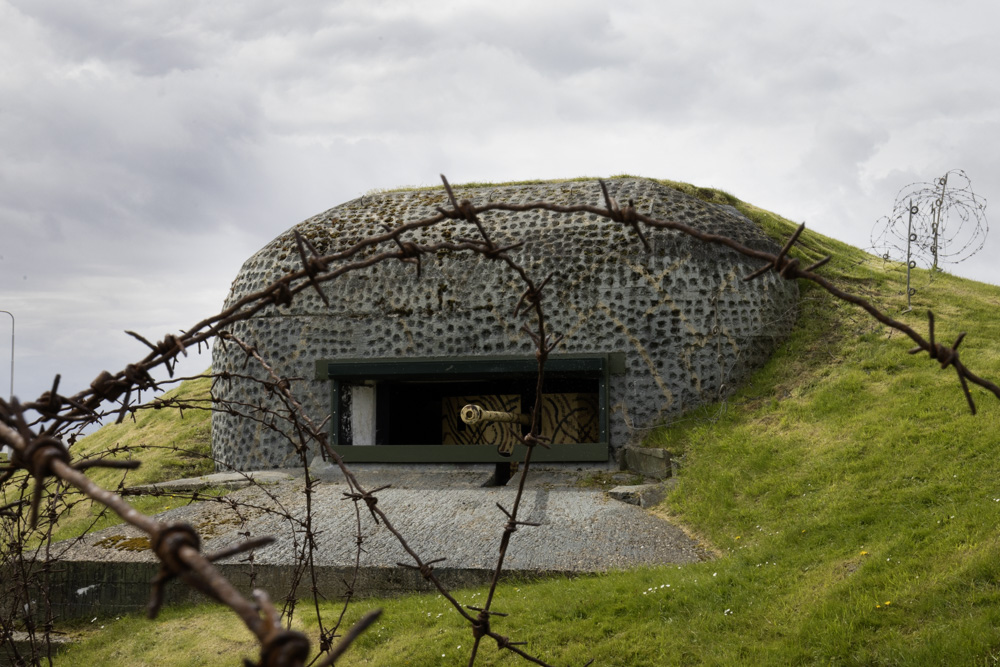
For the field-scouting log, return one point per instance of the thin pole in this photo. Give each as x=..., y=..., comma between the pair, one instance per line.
x=11, y=399
x=3, y=450
x=909, y=262
x=936, y=218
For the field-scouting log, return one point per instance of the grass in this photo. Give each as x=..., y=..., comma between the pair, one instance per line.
x=171, y=445
x=183, y=636
x=187, y=435
x=851, y=497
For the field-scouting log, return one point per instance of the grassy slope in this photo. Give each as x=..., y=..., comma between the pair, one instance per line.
x=854, y=500
x=170, y=444
x=187, y=435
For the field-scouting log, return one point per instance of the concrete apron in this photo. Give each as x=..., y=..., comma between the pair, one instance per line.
x=442, y=512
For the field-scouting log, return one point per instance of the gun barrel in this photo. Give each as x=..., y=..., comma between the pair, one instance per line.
x=473, y=414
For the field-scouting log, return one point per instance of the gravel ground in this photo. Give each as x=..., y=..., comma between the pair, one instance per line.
x=441, y=511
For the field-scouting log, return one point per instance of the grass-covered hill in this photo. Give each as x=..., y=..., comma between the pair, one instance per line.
x=170, y=443
x=852, y=498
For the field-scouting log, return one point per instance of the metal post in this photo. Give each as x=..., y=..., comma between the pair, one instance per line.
x=910, y=238
x=11, y=397
x=936, y=219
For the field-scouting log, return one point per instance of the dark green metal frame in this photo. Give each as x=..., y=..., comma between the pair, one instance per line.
x=594, y=366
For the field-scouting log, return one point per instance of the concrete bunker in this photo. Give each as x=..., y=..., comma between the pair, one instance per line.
x=394, y=358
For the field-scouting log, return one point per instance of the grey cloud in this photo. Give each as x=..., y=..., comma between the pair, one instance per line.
x=121, y=151
x=558, y=43
x=150, y=38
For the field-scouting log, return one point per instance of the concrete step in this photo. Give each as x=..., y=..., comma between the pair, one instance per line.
x=228, y=480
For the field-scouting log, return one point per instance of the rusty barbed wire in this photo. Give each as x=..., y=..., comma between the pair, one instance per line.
x=40, y=451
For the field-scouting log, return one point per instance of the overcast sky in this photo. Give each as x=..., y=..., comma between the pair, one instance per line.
x=148, y=148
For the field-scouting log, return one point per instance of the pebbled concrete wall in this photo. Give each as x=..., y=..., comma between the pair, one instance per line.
x=691, y=328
